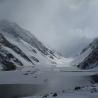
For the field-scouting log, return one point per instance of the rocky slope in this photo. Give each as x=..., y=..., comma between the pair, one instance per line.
x=18, y=47
x=88, y=58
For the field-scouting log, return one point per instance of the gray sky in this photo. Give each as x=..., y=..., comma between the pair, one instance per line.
x=65, y=25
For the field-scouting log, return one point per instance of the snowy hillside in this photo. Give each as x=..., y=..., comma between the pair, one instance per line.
x=88, y=58
x=18, y=48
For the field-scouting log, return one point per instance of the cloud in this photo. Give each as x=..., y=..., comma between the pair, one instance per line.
x=57, y=23
x=74, y=46
x=1, y=1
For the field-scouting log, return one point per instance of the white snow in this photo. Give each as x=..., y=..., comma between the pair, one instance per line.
x=27, y=49
x=81, y=57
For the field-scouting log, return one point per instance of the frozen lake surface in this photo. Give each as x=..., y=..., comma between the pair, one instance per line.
x=32, y=81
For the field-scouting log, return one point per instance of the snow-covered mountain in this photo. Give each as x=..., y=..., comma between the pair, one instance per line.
x=18, y=47
x=88, y=58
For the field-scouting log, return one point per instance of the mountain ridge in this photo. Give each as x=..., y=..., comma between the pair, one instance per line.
x=18, y=47
x=88, y=58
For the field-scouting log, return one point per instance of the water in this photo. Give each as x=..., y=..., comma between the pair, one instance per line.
x=16, y=84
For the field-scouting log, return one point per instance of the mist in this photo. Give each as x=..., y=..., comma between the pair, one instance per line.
x=64, y=25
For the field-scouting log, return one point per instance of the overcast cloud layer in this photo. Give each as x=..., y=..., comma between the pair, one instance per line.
x=65, y=25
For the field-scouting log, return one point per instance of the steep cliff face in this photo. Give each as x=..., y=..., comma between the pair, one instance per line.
x=19, y=47
x=88, y=58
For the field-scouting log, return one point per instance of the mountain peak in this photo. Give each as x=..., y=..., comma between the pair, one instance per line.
x=18, y=47
x=7, y=24
x=94, y=43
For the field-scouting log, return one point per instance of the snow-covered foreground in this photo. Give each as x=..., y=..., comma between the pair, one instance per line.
x=83, y=92
x=34, y=82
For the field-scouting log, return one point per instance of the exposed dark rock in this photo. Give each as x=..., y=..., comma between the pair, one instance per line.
x=34, y=51
x=55, y=94
x=26, y=73
x=93, y=90
x=45, y=96
x=77, y=88
x=91, y=60
x=35, y=59
x=8, y=60
x=6, y=43
x=51, y=57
